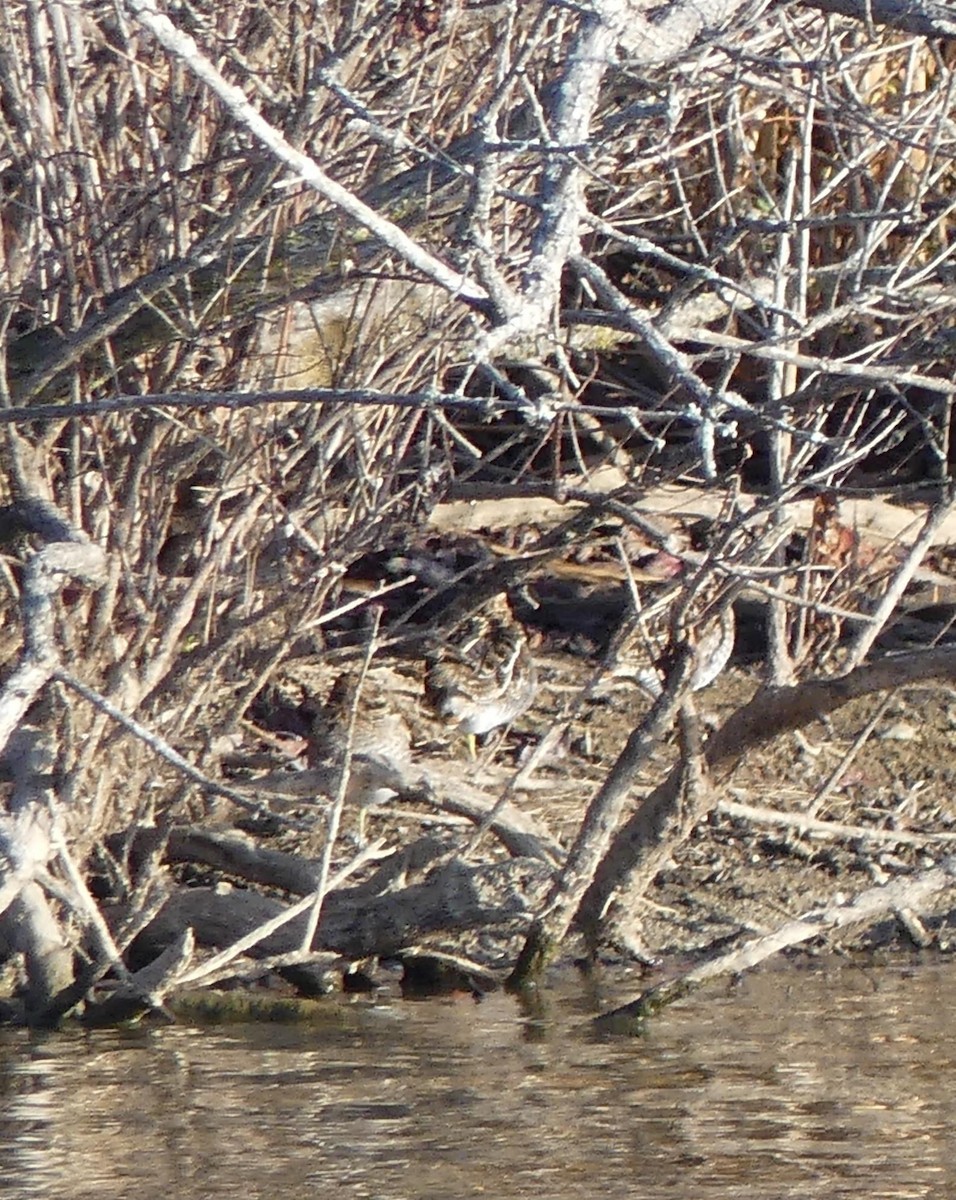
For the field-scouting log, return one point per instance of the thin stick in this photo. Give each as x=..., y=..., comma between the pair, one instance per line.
x=338, y=805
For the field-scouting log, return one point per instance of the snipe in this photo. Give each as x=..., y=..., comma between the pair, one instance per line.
x=636, y=659
x=378, y=738
x=481, y=674
x=639, y=650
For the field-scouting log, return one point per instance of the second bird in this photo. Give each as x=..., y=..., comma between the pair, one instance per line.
x=481, y=674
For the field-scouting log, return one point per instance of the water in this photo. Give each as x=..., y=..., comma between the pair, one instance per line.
x=793, y=1083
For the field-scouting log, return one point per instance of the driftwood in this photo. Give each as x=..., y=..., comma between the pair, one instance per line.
x=803, y=823
x=455, y=899
x=145, y=990
x=239, y=856
x=31, y=833
x=910, y=893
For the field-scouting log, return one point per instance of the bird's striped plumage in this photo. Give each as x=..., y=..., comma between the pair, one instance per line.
x=481, y=674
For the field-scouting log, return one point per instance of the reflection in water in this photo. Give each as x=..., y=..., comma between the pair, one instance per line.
x=792, y=1084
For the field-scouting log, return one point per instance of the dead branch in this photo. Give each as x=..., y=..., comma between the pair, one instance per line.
x=814, y=827
x=925, y=19
x=458, y=898
x=597, y=829
x=635, y=854
x=29, y=837
x=145, y=990
x=430, y=782
x=183, y=46
x=864, y=909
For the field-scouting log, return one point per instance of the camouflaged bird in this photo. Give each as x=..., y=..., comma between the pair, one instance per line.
x=481, y=674
x=639, y=649
x=363, y=725
x=642, y=654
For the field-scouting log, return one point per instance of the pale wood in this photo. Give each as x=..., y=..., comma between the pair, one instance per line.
x=911, y=893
